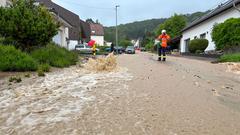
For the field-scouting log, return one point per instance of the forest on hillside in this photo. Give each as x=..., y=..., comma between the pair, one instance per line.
x=138, y=29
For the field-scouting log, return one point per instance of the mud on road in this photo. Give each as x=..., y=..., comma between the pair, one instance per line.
x=144, y=96
x=53, y=104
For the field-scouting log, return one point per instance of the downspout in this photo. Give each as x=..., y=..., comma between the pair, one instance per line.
x=234, y=5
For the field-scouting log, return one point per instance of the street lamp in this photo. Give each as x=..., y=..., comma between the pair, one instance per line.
x=117, y=6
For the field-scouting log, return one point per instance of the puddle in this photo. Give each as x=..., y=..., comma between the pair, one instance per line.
x=59, y=97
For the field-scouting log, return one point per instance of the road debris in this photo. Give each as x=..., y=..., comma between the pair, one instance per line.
x=197, y=84
x=107, y=64
x=215, y=93
x=233, y=67
x=197, y=76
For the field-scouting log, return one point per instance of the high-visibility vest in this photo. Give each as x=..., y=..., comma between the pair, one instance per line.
x=94, y=47
x=165, y=39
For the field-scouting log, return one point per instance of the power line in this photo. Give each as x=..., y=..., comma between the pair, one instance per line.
x=86, y=6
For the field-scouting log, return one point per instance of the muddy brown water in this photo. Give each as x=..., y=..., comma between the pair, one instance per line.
x=142, y=96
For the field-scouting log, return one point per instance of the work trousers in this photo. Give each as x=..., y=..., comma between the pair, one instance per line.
x=162, y=53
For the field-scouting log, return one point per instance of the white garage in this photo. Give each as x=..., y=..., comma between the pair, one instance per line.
x=202, y=28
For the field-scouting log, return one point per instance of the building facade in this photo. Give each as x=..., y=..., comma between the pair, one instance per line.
x=69, y=33
x=202, y=28
x=5, y=3
x=97, y=33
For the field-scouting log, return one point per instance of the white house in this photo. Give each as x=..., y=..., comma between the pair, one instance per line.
x=69, y=34
x=202, y=28
x=5, y=3
x=63, y=32
x=97, y=33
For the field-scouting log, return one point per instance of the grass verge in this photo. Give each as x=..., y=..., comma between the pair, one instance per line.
x=230, y=58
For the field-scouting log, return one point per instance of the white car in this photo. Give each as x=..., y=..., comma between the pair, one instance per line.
x=84, y=48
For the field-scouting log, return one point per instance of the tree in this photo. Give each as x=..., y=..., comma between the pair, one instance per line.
x=125, y=43
x=148, y=38
x=26, y=24
x=89, y=20
x=173, y=25
x=226, y=35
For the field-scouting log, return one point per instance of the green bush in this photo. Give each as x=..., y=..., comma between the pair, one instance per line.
x=102, y=48
x=29, y=25
x=40, y=72
x=44, y=67
x=198, y=45
x=198, y=51
x=230, y=58
x=12, y=59
x=226, y=35
x=55, y=56
x=150, y=46
x=125, y=43
x=15, y=79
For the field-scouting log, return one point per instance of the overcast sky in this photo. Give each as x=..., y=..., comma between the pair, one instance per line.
x=133, y=10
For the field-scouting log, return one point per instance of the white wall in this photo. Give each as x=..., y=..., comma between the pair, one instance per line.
x=61, y=37
x=206, y=27
x=108, y=43
x=72, y=44
x=3, y=3
x=99, y=40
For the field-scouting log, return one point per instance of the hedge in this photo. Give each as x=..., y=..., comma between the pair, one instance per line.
x=55, y=56
x=226, y=35
x=198, y=45
x=12, y=59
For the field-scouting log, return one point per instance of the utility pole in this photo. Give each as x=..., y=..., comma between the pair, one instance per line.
x=117, y=27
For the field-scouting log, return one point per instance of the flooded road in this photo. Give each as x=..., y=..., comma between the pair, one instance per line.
x=142, y=96
x=42, y=104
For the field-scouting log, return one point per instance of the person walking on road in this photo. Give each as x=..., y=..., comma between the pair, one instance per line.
x=112, y=47
x=163, y=38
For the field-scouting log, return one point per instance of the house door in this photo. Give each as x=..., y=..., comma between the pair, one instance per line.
x=187, y=42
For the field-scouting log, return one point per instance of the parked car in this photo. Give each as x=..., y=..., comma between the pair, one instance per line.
x=130, y=50
x=108, y=49
x=84, y=48
x=119, y=49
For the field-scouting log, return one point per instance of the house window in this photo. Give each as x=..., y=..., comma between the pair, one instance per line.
x=187, y=42
x=195, y=37
x=203, y=36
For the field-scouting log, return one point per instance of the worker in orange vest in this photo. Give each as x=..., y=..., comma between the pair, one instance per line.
x=94, y=50
x=164, y=38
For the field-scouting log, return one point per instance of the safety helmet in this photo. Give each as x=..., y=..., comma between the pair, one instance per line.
x=164, y=31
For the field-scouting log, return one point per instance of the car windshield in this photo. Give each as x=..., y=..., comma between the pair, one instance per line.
x=80, y=46
x=88, y=46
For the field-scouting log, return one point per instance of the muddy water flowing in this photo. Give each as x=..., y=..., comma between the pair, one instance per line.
x=105, y=64
x=60, y=97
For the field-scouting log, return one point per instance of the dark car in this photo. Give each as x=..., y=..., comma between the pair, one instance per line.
x=108, y=49
x=119, y=49
x=130, y=50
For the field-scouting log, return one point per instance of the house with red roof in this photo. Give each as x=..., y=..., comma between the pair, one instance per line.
x=97, y=33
